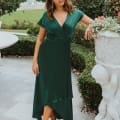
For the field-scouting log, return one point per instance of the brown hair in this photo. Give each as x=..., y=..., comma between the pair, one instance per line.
x=50, y=6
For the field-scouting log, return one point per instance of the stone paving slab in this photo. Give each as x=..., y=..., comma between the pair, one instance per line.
x=16, y=91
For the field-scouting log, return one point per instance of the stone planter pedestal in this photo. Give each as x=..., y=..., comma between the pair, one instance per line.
x=106, y=72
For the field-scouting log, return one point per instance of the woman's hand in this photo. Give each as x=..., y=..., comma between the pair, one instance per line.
x=35, y=67
x=88, y=33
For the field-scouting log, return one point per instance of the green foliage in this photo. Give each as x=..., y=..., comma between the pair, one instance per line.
x=109, y=24
x=92, y=8
x=18, y=25
x=83, y=60
x=9, y=5
x=90, y=90
x=77, y=60
x=33, y=30
x=5, y=26
x=111, y=7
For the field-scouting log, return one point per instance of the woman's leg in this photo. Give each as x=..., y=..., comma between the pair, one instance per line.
x=48, y=113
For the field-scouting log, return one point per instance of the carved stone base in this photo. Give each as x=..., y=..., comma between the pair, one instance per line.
x=109, y=79
x=106, y=72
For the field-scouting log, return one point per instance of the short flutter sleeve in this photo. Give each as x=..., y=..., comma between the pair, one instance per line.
x=80, y=14
x=42, y=21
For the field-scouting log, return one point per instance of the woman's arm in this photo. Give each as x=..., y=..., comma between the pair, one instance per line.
x=88, y=32
x=39, y=41
x=86, y=20
x=40, y=38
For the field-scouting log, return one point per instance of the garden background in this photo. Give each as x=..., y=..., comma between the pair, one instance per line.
x=82, y=51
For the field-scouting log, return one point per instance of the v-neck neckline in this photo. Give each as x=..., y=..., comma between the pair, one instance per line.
x=61, y=26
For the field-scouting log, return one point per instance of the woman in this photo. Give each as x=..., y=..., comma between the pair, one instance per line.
x=51, y=60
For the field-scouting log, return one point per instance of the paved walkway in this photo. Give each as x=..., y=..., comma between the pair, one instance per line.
x=15, y=33
x=16, y=91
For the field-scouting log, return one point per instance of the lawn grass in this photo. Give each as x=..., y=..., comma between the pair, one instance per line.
x=28, y=15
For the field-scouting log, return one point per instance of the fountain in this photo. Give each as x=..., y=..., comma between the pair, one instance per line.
x=31, y=4
x=6, y=39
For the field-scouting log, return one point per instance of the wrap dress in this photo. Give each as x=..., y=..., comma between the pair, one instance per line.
x=53, y=84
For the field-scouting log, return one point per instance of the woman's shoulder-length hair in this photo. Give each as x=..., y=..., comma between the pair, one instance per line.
x=50, y=7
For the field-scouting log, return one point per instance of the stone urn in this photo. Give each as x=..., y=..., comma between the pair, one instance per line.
x=106, y=72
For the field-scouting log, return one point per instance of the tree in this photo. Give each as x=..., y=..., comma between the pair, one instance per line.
x=92, y=8
x=111, y=7
x=9, y=5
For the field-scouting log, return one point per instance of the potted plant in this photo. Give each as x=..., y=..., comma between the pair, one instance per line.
x=107, y=40
x=107, y=69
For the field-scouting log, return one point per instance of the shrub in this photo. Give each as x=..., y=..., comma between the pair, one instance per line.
x=91, y=7
x=77, y=60
x=33, y=30
x=90, y=90
x=21, y=24
x=18, y=25
x=24, y=47
x=94, y=8
x=5, y=26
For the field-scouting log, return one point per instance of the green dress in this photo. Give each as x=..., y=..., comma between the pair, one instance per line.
x=53, y=85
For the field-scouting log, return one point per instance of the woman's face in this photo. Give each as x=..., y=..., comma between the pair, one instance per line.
x=59, y=3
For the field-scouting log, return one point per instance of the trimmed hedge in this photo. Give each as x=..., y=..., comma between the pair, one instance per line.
x=76, y=60
x=83, y=60
x=90, y=90
x=24, y=47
